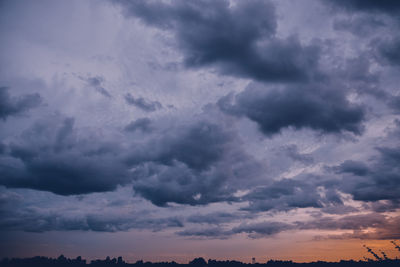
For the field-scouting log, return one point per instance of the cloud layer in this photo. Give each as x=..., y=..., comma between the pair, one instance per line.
x=202, y=119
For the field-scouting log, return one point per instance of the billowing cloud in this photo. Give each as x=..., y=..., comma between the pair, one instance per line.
x=354, y=167
x=289, y=194
x=56, y=160
x=191, y=164
x=19, y=215
x=317, y=107
x=381, y=181
x=236, y=39
x=198, y=146
x=194, y=165
x=368, y=20
x=11, y=106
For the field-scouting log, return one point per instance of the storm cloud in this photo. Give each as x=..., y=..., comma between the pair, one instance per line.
x=360, y=226
x=237, y=40
x=12, y=106
x=389, y=51
x=22, y=216
x=289, y=194
x=379, y=182
x=315, y=107
x=193, y=165
x=387, y=6
x=55, y=160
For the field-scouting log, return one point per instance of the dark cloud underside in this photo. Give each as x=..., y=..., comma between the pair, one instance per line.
x=237, y=40
x=388, y=6
x=313, y=106
x=53, y=159
x=11, y=106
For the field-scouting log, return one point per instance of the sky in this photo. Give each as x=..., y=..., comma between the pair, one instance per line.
x=169, y=130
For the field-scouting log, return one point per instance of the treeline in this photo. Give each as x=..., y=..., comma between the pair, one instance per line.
x=62, y=261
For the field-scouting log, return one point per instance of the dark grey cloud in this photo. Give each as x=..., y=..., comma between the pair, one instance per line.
x=252, y=50
x=381, y=181
x=350, y=222
x=113, y=224
x=142, y=124
x=359, y=25
x=368, y=226
x=217, y=218
x=381, y=206
x=363, y=226
x=54, y=159
x=293, y=152
x=179, y=184
x=195, y=164
x=289, y=194
x=34, y=219
x=236, y=39
x=143, y=104
x=2, y=148
x=11, y=106
x=198, y=146
x=359, y=75
x=383, y=227
x=388, y=50
x=318, y=107
x=376, y=19
x=253, y=230
x=355, y=167
x=395, y=132
x=339, y=209
x=262, y=229
x=207, y=233
x=64, y=134
x=394, y=103
x=386, y=6
x=96, y=82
